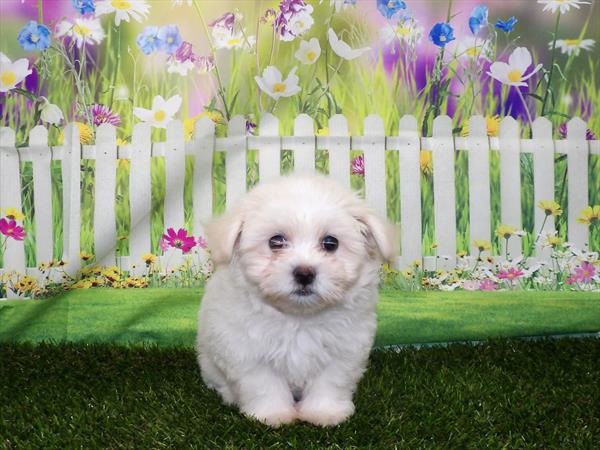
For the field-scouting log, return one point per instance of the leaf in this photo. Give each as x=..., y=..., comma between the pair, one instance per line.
x=556, y=113
x=537, y=97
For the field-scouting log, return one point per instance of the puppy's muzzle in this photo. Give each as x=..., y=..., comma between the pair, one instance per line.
x=304, y=275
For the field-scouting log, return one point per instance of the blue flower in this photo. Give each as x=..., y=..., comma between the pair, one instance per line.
x=478, y=19
x=506, y=25
x=390, y=7
x=34, y=36
x=148, y=40
x=84, y=6
x=169, y=38
x=441, y=34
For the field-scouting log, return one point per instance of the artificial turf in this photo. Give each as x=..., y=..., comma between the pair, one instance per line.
x=501, y=394
x=168, y=316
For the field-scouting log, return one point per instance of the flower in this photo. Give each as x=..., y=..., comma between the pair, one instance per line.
x=388, y=8
x=85, y=256
x=487, y=285
x=138, y=9
x=294, y=18
x=474, y=48
x=86, y=135
x=563, y=5
x=148, y=40
x=512, y=73
x=202, y=242
x=299, y=24
x=585, y=272
x=471, y=285
x=572, y=46
x=161, y=113
x=250, y=128
x=51, y=113
x=190, y=122
x=205, y=64
x=551, y=240
x=323, y=131
x=179, y=239
x=271, y=83
x=309, y=51
x=405, y=30
x=10, y=229
x=84, y=6
x=169, y=38
x=590, y=215
x=492, y=125
x=34, y=36
x=226, y=21
x=14, y=213
x=358, y=165
x=269, y=16
x=149, y=258
x=478, y=19
x=84, y=30
x=506, y=25
x=163, y=244
x=562, y=131
x=441, y=34
x=102, y=114
x=342, y=49
x=426, y=162
x=225, y=38
x=506, y=231
x=482, y=245
x=550, y=207
x=510, y=274
x=12, y=73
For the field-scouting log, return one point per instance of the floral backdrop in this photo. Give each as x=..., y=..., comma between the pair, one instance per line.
x=129, y=61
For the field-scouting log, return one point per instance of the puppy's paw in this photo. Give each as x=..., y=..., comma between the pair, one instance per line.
x=325, y=412
x=274, y=417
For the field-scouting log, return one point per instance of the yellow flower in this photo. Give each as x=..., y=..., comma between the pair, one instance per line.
x=434, y=245
x=14, y=213
x=483, y=245
x=590, y=215
x=426, y=162
x=26, y=284
x=505, y=231
x=85, y=256
x=323, y=132
x=492, y=125
x=461, y=254
x=553, y=241
x=122, y=141
x=149, y=258
x=550, y=207
x=82, y=284
x=111, y=273
x=190, y=122
x=86, y=135
x=417, y=263
x=407, y=273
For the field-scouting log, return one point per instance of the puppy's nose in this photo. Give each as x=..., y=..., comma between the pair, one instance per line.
x=304, y=275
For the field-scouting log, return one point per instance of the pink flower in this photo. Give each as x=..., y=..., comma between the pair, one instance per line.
x=102, y=114
x=11, y=229
x=358, y=165
x=202, y=242
x=512, y=274
x=571, y=280
x=179, y=239
x=584, y=272
x=488, y=285
x=184, y=53
x=226, y=21
x=205, y=63
x=471, y=285
x=164, y=245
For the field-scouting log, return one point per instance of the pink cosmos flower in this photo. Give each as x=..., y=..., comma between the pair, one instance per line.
x=471, y=285
x=584, y=272
x=11, y=229
x=512, y=274
x=202, y=242
x=164, y=245
x=179, y=239
x=488, y=285
x=571, y=280
x=358, y=165
x=102, y=114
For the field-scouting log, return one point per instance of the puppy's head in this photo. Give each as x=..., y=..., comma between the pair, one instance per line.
x=303, y=242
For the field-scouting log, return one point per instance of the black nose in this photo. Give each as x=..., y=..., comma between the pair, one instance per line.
x=304, y=275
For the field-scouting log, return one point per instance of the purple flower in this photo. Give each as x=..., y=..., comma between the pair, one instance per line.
x=184, y=53
x=292, y=6
x=287, y=10
x=202, y=242
x=585, y=272
x=250, y=127
x=102, y=114
x=227, y=21
x=488, y=285
x=11, y=229
x=562, y=131
x=358, y=165
x=179, y=239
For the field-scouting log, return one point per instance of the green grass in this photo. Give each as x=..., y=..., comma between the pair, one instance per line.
x=167, y=317
x=502, y=394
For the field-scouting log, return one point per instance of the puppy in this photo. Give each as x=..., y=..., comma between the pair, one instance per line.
x=288, y=318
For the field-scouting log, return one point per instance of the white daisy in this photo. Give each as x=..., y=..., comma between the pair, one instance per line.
x=12, y=73
x=407, y=31
x=83, y=30
x=572, y=46
x=272, y=84
x=563, y=5
x=342, y=49
x=473, y=47
x=309, y=51
x=162, y=111
x=138, y=9
x=513, y=72
x=301, y=22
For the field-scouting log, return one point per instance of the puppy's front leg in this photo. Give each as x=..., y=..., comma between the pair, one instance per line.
x=266, y=396
x=327, y=401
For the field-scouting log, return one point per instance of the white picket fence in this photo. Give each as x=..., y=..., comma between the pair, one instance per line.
x=269, y=144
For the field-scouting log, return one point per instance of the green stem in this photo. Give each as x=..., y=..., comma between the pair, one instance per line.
x=551, y=64
x=40, y=12
x=116, y=71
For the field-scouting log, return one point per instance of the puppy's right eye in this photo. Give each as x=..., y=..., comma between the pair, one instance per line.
x=277, y=242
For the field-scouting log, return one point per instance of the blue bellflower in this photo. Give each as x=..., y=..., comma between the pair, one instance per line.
x=84, y=6
x=506, y=25
x=478, y=19
x=148, y=40
x=390, y=7
x=34, y=36
x=441, y=34
x=169, y=38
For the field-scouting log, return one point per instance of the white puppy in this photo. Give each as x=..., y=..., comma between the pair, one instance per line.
x=288, y=318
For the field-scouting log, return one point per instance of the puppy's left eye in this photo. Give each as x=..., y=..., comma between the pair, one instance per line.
x=329, y=244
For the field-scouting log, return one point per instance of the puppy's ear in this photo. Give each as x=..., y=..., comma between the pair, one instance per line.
x=222, y=235
x=380, y=235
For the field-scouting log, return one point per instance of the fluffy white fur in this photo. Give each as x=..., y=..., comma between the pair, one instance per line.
x=277, y=354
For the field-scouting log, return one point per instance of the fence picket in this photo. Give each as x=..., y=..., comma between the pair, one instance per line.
x=42, y=193
x=269, y=153
x=235, y=160
x=410, y=190
x=374, y=160
x=338, y=146
x=304, y=144
x=479, y=182
x=105, y=224
x=577, y=162
x=543, y=181
x=71, y=176
x=444, y=194
x=202, y=192
x=510, y=182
